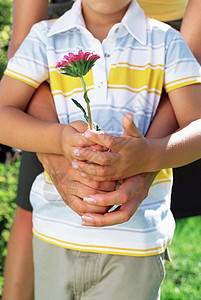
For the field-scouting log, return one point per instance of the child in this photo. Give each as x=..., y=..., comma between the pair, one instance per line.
x=136, y=53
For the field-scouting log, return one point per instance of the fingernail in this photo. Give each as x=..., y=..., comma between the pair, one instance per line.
x=75, y=164
x=129, y=116
x=87, y=220
x=77, y=152
x=89, y=200
x=83, y=174
x=87, y=134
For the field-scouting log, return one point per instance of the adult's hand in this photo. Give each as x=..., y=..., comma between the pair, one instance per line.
x=130, y=194
x=71, y=186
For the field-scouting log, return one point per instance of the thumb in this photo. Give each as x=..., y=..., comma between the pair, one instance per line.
x=129, y=127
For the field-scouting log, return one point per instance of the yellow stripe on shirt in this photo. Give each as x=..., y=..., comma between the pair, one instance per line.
x=136, y=78
x=102, y=249
x=68, y=84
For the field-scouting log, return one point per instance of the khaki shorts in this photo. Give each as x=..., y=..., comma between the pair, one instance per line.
x=63, y=274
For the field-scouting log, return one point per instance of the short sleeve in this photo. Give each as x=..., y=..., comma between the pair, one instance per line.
x=29, y=63
x=181, y=67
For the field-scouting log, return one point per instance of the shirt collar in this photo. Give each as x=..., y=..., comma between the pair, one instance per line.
x=72, y=18
x=134, y=21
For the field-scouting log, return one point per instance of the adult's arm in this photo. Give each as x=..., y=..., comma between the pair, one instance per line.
x=191, y=27
x=25, y=14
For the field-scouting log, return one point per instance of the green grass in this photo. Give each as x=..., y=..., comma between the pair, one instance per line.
x=183, y=274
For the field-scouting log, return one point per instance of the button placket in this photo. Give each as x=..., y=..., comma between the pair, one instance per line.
x=99, y=73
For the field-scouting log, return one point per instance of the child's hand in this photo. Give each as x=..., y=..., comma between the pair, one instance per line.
x=73, y=136
x=129, y=155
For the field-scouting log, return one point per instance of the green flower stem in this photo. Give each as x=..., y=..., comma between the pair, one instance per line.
x=87, y=101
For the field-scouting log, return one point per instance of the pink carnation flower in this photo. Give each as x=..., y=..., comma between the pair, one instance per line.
x=77, y=65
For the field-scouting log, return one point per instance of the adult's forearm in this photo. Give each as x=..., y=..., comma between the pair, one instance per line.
x=41, y=105
x=191, y=27
x=25, y=14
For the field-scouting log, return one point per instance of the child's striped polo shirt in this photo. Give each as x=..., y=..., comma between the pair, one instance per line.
x=138, y=59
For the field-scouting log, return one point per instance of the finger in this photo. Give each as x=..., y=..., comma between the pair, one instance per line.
x=68, y=187
x=68, y=174
x=93, y=169
x=75, y=138
x=129, y=127
x=99, y=178
x=79, y=125
x=73, y=192
x=110, y=198
x=126, y=190
x=95, y=156
x=96, y=182
x=107, y=141
x=98, y=148
x=100, y=186
x=122, y=214
x=79, y=140
x=107, y=186
x=81, y=208
x=77, y=189
x=83, y=191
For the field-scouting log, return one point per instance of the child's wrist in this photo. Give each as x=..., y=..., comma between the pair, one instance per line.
x=63, y=139
x=156, y=155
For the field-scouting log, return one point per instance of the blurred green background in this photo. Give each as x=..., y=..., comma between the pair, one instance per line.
x=5, y=31
x=183, y=274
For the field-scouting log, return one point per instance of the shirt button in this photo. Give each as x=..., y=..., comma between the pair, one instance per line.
x=100, y=84
x=107, y=55
x=117, y=30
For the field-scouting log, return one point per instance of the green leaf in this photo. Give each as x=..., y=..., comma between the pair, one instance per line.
x=82, y=109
